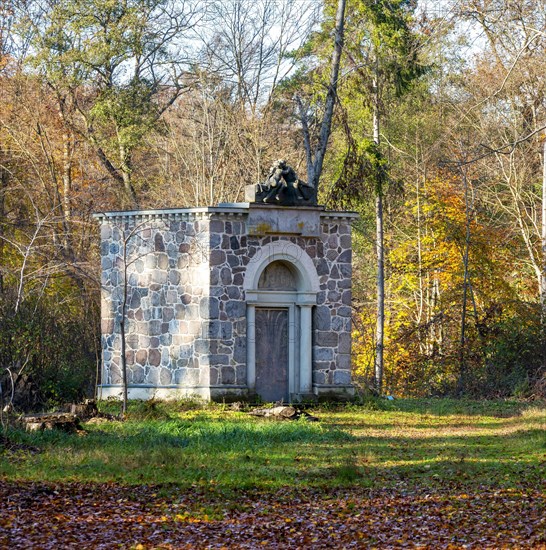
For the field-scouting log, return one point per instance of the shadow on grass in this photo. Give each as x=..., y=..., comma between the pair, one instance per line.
x=242, y=452
x=507, y=459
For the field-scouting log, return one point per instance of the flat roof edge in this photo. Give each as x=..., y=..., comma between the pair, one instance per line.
x=235, y=208
x=339, y=214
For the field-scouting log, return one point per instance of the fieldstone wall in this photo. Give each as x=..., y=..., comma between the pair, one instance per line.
x=227, y=326
x=182, y=272
x=332, y=316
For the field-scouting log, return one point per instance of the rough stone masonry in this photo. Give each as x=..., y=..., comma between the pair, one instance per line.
x=187, y=276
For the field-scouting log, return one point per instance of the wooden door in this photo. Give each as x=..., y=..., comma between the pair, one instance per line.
x=272, y=354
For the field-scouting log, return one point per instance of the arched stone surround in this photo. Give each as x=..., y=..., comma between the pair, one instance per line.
x=298, y=302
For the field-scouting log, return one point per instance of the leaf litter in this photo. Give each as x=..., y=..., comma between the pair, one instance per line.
x=109, y=515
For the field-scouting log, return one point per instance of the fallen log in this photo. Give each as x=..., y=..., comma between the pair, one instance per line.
x=51, y=421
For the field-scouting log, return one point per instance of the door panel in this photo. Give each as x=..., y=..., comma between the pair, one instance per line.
x=272, y=354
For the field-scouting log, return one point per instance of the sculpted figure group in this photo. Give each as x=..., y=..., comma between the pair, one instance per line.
x=283, y=187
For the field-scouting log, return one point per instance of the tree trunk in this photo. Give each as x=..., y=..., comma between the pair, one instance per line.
x=314, y=167
x=67, y=189
x=380, y=250
x=380, y=322
x=466, y=284
x=67, y=176
x=123, y=358
x=3, y=187
x=283, y=412
x=331, y=95
x=543, y=274
x=126, y=170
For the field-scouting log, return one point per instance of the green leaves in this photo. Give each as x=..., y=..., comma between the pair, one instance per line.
x=362, y=174
x=130, y=108
x=114, y=67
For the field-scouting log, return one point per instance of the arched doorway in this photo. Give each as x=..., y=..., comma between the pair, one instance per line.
x=281, y=285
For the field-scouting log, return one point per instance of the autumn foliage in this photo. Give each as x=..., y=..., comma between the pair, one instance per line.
x=426, y=285
x=76, y=515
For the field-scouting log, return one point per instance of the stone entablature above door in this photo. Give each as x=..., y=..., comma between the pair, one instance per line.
x=188, y=297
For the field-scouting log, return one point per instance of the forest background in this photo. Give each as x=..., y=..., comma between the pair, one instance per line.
x=438, y=133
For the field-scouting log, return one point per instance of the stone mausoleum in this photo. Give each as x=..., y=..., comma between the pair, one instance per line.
x=237, y=301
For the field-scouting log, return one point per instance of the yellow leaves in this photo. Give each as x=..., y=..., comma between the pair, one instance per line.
x=187, y=518
x=425, y=282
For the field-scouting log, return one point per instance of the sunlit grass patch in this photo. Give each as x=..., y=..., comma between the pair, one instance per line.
x=406, y=443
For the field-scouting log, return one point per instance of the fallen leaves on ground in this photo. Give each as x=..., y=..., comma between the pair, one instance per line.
x=103, y=516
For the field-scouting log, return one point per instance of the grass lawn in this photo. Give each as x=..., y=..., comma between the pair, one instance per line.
x=410, y=442
x=229, y=460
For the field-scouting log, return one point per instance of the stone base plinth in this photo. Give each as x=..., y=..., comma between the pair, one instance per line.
x=328, y=392
x=143, y=393
x=221, y=393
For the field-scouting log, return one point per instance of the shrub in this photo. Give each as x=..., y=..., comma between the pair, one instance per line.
x=47, y=356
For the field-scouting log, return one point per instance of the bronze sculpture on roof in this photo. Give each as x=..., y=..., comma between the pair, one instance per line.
x=282, y=187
